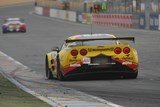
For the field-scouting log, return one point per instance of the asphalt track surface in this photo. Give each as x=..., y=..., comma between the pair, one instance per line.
x=44, y=33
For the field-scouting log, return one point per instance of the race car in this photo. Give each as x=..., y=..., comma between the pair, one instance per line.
x=93, y=54
x=14, y=25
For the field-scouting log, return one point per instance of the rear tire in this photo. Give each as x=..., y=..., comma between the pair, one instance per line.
x=49, y=74
x=4, y=32
x=59, y=73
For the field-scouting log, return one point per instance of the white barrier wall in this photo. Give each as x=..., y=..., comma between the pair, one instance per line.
x=53, y=13
x=72, y=16
x=123, y=20
x=39, y=10
x=62, y=14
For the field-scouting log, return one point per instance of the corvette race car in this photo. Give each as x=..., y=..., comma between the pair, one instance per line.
x=13, y=25
x=92, y=53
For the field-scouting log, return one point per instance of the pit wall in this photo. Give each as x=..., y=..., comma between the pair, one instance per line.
x=111, y=20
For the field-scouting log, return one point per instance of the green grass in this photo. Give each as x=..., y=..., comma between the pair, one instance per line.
x=12, y=96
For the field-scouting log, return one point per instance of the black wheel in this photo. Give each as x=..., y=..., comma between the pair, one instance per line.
x=4, y=32
x=59, y=73
x=49, y=74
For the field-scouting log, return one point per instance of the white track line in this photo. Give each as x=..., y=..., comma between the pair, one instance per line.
x=52, y=103
x=18, y=84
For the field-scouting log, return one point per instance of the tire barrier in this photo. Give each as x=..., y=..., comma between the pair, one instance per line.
x=114, y=20
x=154, y=21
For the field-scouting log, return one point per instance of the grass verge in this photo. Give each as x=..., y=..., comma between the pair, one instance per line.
x=12, y=96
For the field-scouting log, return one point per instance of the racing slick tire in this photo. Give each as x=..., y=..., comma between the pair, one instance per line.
x=49, y=74
x=3, y=31
x=59, y=73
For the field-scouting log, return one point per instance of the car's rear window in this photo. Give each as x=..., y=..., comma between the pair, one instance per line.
x=14, y=20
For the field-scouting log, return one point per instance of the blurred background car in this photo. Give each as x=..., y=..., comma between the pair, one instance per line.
x=13, y=25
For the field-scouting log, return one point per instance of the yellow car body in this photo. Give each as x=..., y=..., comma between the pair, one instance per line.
x=92, y=53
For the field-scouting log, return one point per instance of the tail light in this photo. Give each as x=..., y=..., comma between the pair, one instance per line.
x=23, y=26
x=126, y=50
x=74, y=52
x=83, y=52
x=117, y=50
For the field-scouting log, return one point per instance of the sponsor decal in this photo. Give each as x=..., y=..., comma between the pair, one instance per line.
x=102, y=49
x=75, y=65
x=127, y=63
x=86, y=60
x=127, y=58
x=54, y=55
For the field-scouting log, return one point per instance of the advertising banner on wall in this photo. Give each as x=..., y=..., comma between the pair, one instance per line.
x=154, y=21
x=142, y=22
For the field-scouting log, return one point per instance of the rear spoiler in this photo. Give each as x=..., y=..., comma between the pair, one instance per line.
x=117, y=38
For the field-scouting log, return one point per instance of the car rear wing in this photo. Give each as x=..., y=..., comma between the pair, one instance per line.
x=117, y=38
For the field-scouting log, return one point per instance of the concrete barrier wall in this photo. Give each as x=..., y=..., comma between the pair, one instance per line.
x=53, y=13
x=60, y=14
x=46, y=11
x=154, y=21
x=72, y=16
x=142, y=21
x=63, y=14
x=115, y=20
x=111, y=20
x=86, y=18
x=39, y=10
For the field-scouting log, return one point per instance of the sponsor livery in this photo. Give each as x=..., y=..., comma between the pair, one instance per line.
x=92, y=53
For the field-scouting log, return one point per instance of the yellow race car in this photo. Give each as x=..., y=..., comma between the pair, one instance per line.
x=92, y=54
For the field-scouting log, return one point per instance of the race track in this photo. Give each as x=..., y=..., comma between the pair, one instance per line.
x=44, y=33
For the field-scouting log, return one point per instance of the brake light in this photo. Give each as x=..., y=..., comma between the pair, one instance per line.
x=126, y=50
x=117, y=50
x=74, y=52
x=23, y=26
x=83, y=52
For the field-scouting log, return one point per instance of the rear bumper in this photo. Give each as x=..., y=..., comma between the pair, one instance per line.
x=14, y=30
x=116, y=69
